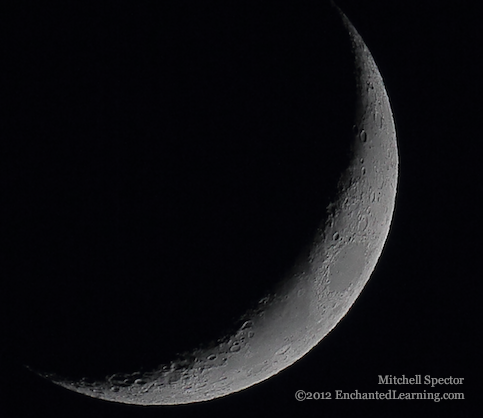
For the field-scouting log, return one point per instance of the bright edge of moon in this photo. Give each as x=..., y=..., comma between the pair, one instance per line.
x=317, y=294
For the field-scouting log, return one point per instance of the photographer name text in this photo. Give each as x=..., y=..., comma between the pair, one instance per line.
x=418, y=379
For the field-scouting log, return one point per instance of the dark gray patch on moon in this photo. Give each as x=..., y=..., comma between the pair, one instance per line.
x=346, y=266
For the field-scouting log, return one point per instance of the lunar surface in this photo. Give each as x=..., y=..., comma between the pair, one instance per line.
x=310, y=300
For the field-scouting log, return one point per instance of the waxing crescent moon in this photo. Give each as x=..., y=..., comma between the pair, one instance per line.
x=319, y=291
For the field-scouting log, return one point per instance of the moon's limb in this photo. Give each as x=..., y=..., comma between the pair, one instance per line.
x=314, y=297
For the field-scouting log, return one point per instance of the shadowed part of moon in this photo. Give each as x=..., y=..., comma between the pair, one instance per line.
x=287, y=141
x=172, y=175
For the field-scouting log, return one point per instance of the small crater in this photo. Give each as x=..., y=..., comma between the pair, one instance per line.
x=362, y=225
x=247, y=325
x=235, y=347
x=147, y=388
x=283, y=350
x=86, y=381
x=140, y=382
x=174, y=376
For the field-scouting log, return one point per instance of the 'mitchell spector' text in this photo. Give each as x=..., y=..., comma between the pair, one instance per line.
x=417, y=379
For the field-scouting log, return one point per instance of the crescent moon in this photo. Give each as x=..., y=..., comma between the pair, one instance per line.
x=319, y=291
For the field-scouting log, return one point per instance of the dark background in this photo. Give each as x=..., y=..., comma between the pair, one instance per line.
x=416, y=314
